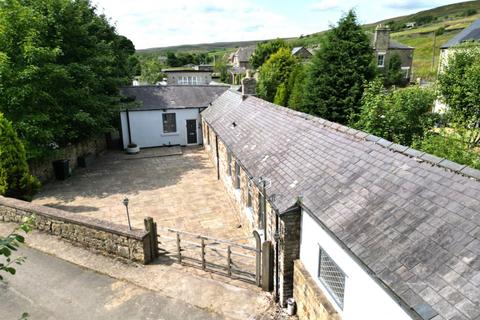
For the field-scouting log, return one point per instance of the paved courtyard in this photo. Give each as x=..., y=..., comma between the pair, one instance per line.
x=178, y=190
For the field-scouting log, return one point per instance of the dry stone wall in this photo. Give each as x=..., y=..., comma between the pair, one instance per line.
x=93, y=234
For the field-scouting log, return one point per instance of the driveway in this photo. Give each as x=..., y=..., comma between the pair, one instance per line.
x=50, y=288
x=179, y=190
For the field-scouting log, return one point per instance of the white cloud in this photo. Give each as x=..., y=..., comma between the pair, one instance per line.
x=324, y=5
x=407, y=4
x=150, y=23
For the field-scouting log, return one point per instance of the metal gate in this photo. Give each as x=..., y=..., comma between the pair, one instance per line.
x=226, y=257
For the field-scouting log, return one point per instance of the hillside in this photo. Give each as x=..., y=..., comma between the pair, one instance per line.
x=434, y=28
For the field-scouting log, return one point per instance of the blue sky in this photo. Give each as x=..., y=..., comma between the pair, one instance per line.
x=158, y=23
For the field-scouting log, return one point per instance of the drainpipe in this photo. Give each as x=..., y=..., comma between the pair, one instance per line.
x=218, y=158
x=264, y=205
x=276, y=236
x=128, y=128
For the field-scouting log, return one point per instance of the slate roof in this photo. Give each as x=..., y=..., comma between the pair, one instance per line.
x=244, y=53
x=173, y=96
x=392, y=45
x=472, y=32
x=411, y=218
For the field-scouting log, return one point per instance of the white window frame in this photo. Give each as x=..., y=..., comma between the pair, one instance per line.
x=338, y=300
x=383, y=55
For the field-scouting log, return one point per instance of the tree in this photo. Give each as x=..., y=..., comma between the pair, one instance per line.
x=394, y=75
x=274, y=72
x=400, y=116
x=338, y=71
x=60, y=68
x=296, y=85
x=264, y=50
x=151, y=70
x=221, y=68
x=15, y=179
x=459, y=87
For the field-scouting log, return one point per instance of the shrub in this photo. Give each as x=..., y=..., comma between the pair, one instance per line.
x=15, y=179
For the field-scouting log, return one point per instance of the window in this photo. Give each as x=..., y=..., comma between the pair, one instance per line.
x=229, y=163
x=381, y=60
x=261, y=211
x=188, y=80
x=169, y=123
x=331, y=276
x=237, y=175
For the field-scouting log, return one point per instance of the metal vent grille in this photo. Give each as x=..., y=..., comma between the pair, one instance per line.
x=332, y=277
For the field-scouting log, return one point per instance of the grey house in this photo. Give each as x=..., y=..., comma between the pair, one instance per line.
x=188, y=76
x=241, y=57
x=167, y=115
x=385, y=48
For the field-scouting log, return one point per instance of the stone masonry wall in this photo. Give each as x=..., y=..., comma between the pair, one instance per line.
x=93, y=234
x=43, y=170
x=289, y=225
x=311, y=302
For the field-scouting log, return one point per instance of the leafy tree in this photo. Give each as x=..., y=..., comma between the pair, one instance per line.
x=274, y=72
x=459, y=87
x=338, y=71
x=400, y=115
x=221, y=68
x=15, y=179
x=394, y=75
x=296, y=85
x=60, y=68
x=264, y=50
x=281, y=95
x=151, y=70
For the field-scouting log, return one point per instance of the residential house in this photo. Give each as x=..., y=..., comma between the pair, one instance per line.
x=362, y=228
x=385, y=48
x=167, y=115
x=188, y=76
x=301, y=52
x=469, y=34
x=241, y=57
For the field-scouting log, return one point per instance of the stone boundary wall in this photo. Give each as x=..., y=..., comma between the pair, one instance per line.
x=311, y=302
x=93, y=234
x=43, y=170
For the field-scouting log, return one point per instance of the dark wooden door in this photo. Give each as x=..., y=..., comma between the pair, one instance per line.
x=191, y=131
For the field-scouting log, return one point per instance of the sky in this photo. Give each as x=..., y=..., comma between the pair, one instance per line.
x=160, y=23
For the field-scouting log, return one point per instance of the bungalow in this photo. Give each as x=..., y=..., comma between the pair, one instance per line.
x=188, y=76
x=362, y=228
x=167, y=115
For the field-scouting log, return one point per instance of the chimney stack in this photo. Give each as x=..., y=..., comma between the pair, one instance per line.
x=382, y=38
x=249, y=85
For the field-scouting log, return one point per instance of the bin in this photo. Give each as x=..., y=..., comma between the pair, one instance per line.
x=291, y=306
x=61, y=169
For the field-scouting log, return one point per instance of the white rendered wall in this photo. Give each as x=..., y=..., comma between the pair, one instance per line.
x=364, y=298
x=146, y=127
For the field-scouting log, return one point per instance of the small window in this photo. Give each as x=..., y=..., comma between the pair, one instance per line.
x=229, y=163
x=169, y=123
x=237, y=175
x=381, y=60
x=331, y=276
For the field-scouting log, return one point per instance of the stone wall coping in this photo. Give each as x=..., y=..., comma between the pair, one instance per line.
x=73, y=218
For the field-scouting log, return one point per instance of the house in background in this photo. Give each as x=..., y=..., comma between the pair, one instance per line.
x=470, y=34
x=301, y=52
x=385, y=48
x=362, y=228
x=188, y=76
x=168, y=115
x=241, y=57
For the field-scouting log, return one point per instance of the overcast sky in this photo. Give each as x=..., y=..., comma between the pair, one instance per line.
x=159, y=23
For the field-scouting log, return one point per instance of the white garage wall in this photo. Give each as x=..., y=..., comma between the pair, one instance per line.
x=364, y=298
x=146, y=127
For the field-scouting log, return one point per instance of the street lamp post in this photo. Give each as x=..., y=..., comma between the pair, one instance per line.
x=125, y=203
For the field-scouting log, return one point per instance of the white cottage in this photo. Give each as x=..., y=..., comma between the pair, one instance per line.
x=167, y=115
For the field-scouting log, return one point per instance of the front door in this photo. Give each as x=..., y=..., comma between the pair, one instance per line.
x=191, y=131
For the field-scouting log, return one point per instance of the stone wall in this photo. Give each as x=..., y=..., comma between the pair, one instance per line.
x=93, y=234
x=43, y=170
x=289, y=224
x=311, y=302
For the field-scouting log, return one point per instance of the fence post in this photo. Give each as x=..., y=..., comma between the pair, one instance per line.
x=179, y=250
x=203, y=254
x=151, y=228
x=267, y=266
x=229, y=261
x=258, y=257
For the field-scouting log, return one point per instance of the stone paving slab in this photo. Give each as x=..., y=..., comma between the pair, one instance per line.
x=177, y=191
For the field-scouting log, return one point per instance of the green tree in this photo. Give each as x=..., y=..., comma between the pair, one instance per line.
x=60, y=68
x=459, y=88
x=400, y=115
x=151, y=70
x=281, y=95
x=274, y=72
x=221, y=68
x=264, y=50
x=296, y=85
x=338, y=71
x=394, y=75
x=15, y=179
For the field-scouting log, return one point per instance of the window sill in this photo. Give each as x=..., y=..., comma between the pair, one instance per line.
x=170, y=134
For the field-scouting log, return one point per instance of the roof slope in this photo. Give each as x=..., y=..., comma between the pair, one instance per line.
x=173, y=96
x=244, y=53
x=415, y=225
x=391, y=45
x=472, y=32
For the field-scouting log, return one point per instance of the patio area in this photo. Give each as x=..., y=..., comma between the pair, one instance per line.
x=175, y=186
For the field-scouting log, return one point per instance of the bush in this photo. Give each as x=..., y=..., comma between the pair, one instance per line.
x=15, y=179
